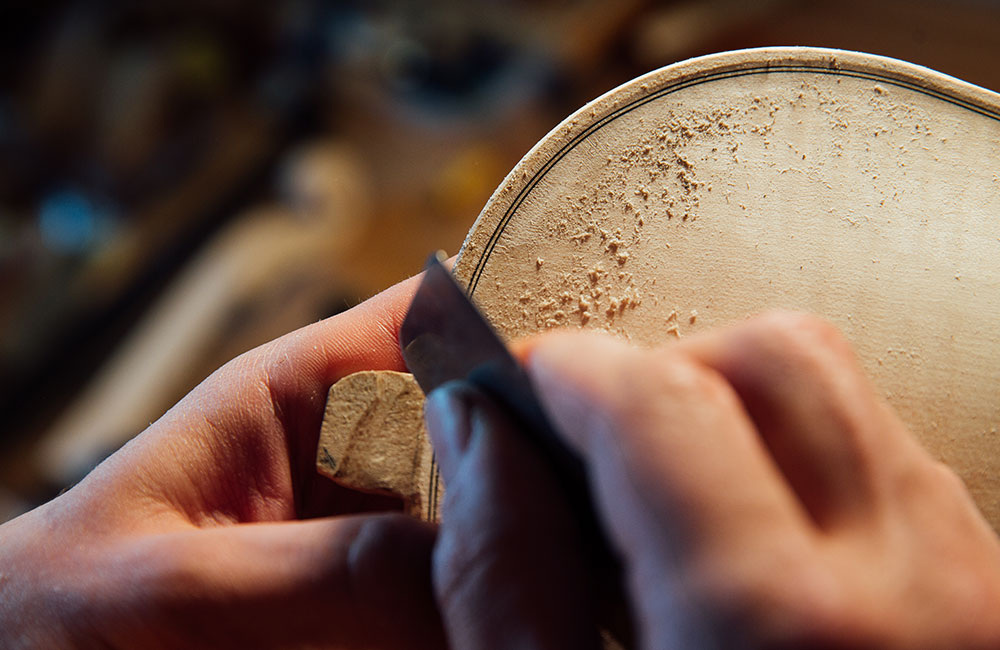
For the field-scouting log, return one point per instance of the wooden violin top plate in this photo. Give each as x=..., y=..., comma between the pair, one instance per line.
x=861, y=188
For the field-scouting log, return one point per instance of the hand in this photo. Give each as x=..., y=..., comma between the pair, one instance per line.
x=188, y=536
x=758, y=490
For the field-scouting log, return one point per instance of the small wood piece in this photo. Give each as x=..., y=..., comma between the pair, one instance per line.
x=373, y=439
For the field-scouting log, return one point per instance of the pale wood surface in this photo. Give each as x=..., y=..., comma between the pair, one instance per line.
x=373, y=438
x=861, y=188
x=857, y=187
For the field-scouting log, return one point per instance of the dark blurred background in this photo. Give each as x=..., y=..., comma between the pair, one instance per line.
x=181, y=181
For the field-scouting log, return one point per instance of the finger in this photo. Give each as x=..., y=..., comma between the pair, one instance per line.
x=251, y=429
x=819, y=415
x=302, y=366
x=509, y=570
x=365, y=337
x=688, y=493
x=661, y=431
x=353, y=582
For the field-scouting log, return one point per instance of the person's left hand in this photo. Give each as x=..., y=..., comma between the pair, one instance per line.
x=202, y=531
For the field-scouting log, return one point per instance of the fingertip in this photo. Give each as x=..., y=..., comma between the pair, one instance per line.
x=522, y=349
x=374, y=326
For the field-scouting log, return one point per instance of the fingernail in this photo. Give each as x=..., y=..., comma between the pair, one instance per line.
x=448, y=416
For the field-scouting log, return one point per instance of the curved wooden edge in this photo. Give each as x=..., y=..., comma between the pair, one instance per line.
x=501, y=205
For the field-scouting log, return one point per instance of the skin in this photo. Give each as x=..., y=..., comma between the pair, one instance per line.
x=213, y=529
x=757, y=490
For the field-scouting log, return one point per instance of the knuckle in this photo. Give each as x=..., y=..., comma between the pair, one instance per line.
x=915, y=483
x=666, y=374
x=678, y=373
x=799, y=346
x=946, y=483
x=784, y=596
x=802, y=333
x=946, y=477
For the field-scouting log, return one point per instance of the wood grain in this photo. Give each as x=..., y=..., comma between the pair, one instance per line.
x=861, y=188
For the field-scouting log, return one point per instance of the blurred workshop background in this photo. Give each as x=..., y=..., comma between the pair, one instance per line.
x=181, y=181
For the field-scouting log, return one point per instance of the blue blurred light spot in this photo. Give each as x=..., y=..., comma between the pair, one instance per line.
x=67, y=221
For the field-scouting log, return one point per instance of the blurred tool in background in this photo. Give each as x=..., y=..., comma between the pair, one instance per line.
x=182, y=181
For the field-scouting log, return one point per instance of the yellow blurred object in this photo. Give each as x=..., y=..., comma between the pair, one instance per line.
x=466, y=178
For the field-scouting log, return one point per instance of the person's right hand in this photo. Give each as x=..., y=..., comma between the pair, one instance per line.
x=758, y=490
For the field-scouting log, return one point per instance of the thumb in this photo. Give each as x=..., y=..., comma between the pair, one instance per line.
x=345, y=582
x=509, y=568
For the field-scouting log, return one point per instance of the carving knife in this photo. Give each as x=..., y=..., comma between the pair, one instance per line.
x=445, y=337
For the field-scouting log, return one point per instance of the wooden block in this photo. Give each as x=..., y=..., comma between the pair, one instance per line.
x=373, y=439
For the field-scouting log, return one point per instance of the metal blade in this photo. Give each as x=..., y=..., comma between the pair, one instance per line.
x=444, y=337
